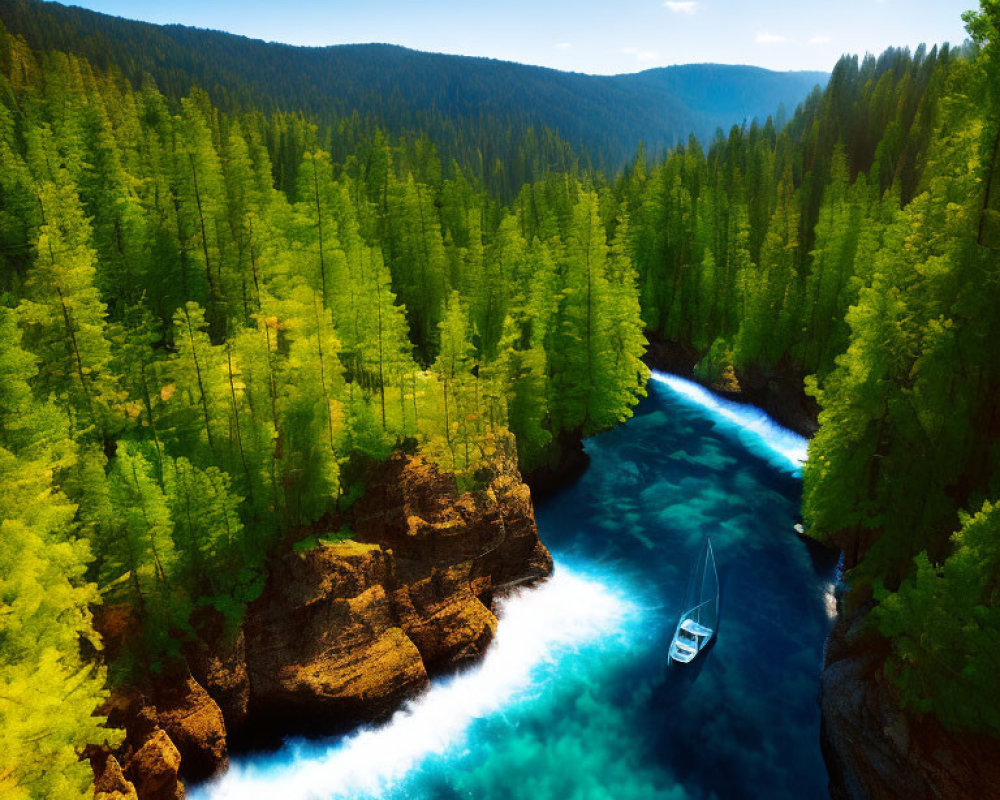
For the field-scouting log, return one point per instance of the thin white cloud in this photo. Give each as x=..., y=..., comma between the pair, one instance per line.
x=682, y=6
x=642, y=56
x=770, y=38
x=820, y=40
x=563, y=45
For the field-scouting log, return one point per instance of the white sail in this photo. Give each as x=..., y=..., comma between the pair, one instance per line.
x=700, y=619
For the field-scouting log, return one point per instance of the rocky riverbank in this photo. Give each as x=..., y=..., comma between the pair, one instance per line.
x=876, y=750
x=344, y=630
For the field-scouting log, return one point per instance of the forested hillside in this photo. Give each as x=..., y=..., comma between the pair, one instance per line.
x=195, y=363
x=749, y=249
x=509, y=123
x=857, y=251
x=212, y=319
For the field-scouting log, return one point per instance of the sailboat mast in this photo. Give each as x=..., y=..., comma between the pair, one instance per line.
x=715, y=575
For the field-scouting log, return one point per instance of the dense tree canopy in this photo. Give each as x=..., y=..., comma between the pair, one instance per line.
x=211, y=320
x=194, y=357
x=506, y=123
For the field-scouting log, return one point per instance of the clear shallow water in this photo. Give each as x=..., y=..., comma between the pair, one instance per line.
x=574, y=698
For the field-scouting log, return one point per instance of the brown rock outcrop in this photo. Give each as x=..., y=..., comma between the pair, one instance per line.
x=453, y=552
x=175, y=722
x=343, y=631
x=154, y=766
x=194, y=723
x=323, y=640
x=443, y=617
x=111, y=783
x=218, y=662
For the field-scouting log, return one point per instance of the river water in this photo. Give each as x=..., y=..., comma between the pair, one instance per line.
x=575, y=700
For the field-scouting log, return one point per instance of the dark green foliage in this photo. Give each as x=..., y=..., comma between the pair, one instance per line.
x=905, y=455
x=854, y=249
x=945, y=626
x=765, y=240
x=506, y=123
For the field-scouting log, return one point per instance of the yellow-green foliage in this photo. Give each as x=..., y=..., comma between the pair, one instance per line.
x=222, y=327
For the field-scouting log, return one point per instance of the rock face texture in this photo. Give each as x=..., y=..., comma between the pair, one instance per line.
x=875, y=750
x=172, y=722
x=452, y=553
x=112, y=785
x=154, y=767
x=344, y=631
x=323, y=641
x=194, y=724
x=218, y=662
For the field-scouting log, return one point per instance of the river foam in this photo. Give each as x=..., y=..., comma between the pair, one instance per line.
x=761, y=435
x=538, y=625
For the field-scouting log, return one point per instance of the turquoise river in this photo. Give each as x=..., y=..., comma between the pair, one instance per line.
x=574, y=700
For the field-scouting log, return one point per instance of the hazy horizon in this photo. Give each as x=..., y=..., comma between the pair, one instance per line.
x=589, y=37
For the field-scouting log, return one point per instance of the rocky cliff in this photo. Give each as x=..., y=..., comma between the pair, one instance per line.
x=344, y=630
x=875, y=750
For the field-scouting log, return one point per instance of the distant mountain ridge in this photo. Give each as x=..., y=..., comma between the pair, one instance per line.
x=408, y=90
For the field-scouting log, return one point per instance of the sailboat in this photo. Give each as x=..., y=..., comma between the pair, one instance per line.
x=700, y=620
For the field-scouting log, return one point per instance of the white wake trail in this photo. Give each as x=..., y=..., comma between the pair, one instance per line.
x=785, y=449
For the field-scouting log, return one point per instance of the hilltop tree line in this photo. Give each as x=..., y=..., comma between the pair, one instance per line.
x=209, y=327
x=348, y=92
x=508, y=124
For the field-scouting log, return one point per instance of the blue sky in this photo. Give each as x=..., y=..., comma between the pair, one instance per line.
x=610, y=36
